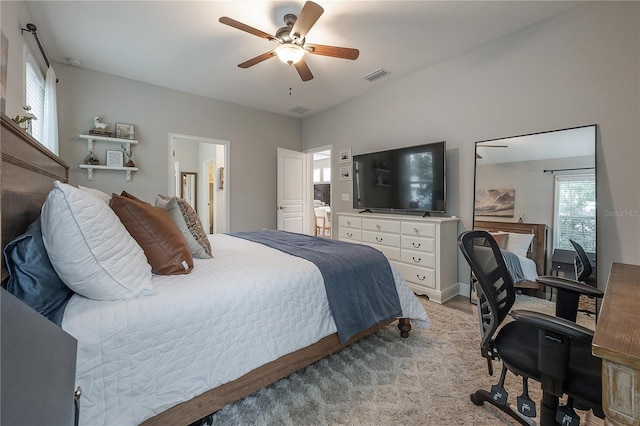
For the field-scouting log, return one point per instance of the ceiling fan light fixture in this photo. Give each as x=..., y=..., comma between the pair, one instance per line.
x=289, y=53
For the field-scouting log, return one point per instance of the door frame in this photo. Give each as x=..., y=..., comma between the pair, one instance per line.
x=310, y=152
x=172, y=139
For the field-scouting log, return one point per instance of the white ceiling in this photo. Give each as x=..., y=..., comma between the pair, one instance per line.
x=182, y=46
x=575, y=142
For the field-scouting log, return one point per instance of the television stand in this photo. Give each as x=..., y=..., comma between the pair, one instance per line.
x=365, y=211
x=422, y=249
x=426, y=214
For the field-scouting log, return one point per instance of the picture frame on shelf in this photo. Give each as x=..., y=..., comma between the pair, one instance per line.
x=345, y=155
x=125, y=131
x=345, y=173
x=114, y=158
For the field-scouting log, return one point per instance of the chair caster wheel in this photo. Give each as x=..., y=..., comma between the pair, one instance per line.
x=475, y=400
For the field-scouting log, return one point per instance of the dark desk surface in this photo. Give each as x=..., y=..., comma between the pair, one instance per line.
x=563, y=261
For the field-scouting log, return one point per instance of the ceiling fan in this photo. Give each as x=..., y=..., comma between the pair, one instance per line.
x=291, y=41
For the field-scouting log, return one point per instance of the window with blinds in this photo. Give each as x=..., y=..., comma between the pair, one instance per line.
x=34, y=96
x=575, y=211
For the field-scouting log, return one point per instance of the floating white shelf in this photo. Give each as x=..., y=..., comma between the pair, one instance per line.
x=91, y=139
x=95, y=138
x=90, y=168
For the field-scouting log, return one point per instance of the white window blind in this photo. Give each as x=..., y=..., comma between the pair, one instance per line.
x=34, y=96
x=575, y=211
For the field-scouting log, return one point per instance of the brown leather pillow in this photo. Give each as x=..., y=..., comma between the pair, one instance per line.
x=152, y=227
x=132, y=197
x=501, y=239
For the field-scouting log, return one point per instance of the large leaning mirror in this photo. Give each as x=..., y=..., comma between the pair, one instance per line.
x=189, y=188
x=540, y=189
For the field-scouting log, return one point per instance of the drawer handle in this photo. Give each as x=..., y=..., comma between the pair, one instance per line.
x=415, y=230
x=416, y=245
x=378, y=227
x=421, y=278
x=379, y=239
x=414, y=259
x=349, y=234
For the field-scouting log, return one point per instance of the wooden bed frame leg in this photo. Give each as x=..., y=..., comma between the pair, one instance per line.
x=404, y=324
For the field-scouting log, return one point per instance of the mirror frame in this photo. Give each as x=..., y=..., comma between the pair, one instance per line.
x=186, y=177
x=549, y=249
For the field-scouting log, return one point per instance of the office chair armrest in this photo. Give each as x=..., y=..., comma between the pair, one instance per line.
x=570, y=285
x=553, y=324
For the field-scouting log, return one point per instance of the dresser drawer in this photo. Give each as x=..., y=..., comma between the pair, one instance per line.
x=425, y=277
x=349, y=234
x=418, y=258
x=350, y=222
x=381, y=225
x=418, y=243
x=381, y=238
x=391, y=253
x=419, y=229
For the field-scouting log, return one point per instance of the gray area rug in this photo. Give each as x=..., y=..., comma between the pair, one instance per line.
x=383, y=379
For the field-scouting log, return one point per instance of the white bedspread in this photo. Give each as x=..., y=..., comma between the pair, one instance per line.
x=246, y=307
x=529, y=268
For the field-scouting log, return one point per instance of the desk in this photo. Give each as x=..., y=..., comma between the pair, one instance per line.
x=617, y=342
x=563, y=262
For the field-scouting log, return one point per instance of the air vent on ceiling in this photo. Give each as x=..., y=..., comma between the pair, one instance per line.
x=376, y=74
x=299, y=110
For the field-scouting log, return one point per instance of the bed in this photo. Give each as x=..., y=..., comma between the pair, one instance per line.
x=532, y=254
x=183, y=356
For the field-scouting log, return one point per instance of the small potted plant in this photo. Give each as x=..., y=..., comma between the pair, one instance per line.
x=26, y=118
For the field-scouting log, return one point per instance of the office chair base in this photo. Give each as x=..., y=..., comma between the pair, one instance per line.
x=479, y=397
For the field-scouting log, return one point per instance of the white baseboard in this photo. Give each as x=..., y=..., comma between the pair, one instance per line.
x=464, y=289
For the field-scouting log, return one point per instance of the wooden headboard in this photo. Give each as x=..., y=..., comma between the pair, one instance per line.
x=28, y=171
x=538, y=248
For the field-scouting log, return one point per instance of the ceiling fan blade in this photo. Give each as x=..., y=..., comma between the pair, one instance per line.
x=257, y=59
x=303, y=70
x=336, y=52
x=244, y=27
x=308, y=16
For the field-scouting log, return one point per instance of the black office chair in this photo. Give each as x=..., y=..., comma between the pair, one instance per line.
x=552, y=350
x=583, y=274
x=583, y=264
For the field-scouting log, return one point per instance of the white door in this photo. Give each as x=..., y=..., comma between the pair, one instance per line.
x=292, y=193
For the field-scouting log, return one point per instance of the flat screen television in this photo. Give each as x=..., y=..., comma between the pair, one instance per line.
x=411, y=179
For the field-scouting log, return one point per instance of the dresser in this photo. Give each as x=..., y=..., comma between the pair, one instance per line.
x=423, y=250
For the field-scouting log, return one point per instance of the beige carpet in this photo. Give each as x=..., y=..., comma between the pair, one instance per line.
x=385, y=380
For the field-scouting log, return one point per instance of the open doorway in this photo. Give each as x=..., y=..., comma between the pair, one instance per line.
x=205, y=163
x=321, y=160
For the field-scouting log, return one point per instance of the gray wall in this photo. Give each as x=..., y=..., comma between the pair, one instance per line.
x=534, y=190
x=578, y=68
x=254, y=136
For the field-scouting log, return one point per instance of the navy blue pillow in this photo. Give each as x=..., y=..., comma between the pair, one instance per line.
x=32, y=278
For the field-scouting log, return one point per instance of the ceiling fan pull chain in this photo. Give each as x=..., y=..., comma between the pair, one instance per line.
x=290, y=84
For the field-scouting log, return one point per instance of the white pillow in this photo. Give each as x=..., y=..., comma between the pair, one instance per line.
x=90, y=248
x=102, y=195
x=519, y=243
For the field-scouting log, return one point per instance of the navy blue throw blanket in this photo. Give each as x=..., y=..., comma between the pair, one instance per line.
x=358, y=279
x=513, y=266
